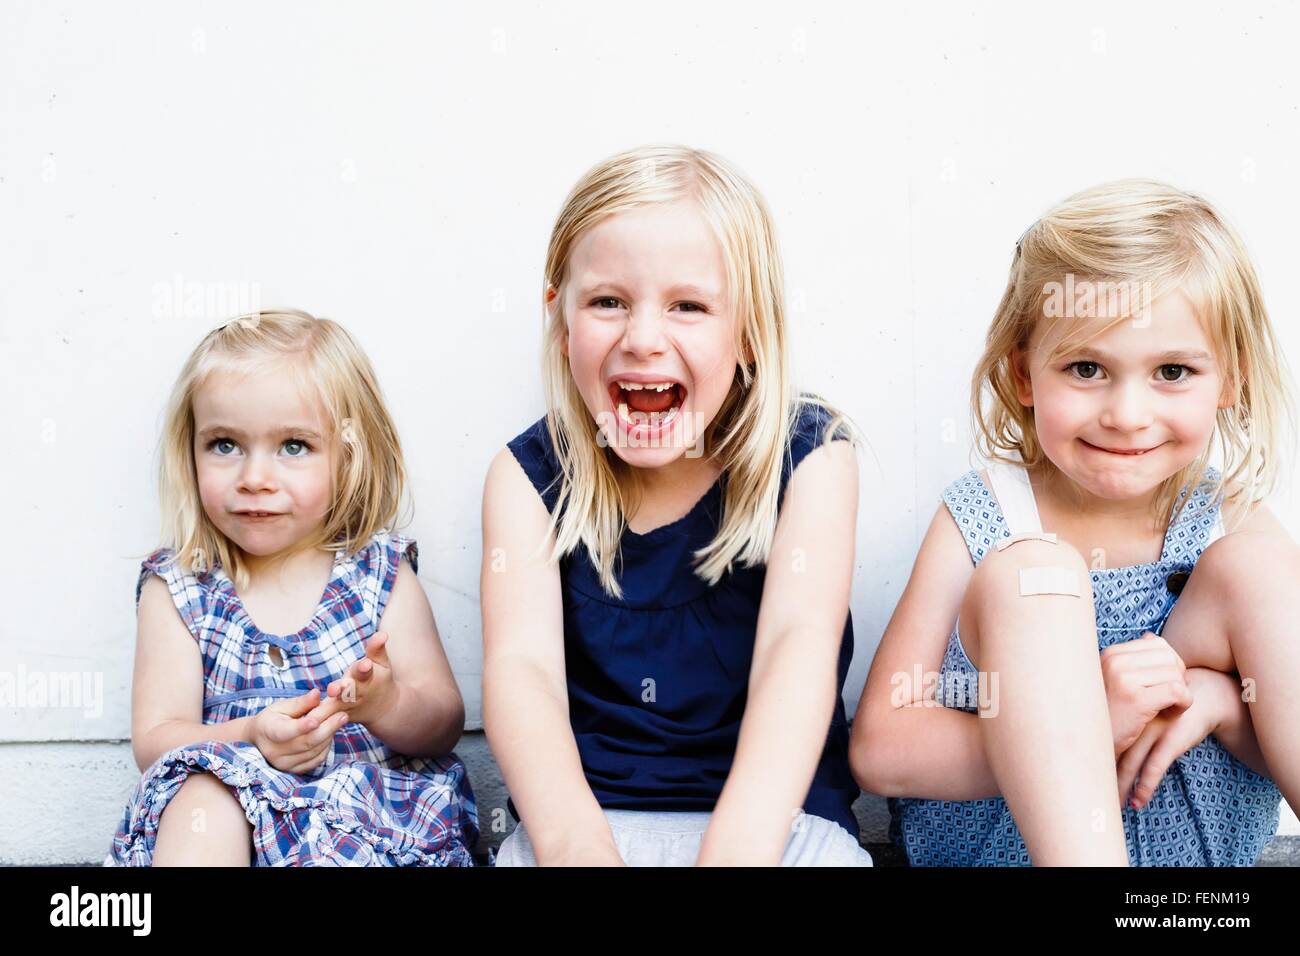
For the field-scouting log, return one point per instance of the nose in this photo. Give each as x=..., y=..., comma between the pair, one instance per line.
x=256, y=474
x=1127, y=408
x=644, y=333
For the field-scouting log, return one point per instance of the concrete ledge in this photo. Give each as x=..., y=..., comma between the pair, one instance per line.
x=63, y=800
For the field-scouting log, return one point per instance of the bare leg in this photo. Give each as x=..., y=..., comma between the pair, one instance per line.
x=1237, y=613
x=203, y=825
x=1049, y=745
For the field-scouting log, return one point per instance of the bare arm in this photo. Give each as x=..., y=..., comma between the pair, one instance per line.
x=429, y=715
x=792, y=683
x=167, y=687
x=525, y=696
x=904, y=742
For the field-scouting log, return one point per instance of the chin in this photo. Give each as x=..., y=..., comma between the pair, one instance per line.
x=1121, y=481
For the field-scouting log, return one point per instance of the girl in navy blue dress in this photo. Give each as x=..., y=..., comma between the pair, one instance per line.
x=668, y=551
x=262, y=739
x=1131, y=346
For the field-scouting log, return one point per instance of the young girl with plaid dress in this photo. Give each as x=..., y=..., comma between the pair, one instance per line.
x=262, y=739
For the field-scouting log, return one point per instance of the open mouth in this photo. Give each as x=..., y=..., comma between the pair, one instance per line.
x=647, y=405
x=257, y=514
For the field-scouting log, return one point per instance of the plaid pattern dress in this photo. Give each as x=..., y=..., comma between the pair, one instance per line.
x=364, y=805
x=1210, y=809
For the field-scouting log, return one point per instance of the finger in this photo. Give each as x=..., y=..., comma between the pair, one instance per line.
x=316, y=758
x=282, y=728
x=324, y=732
x=1130, y=764
x=1139, y=645
x=1174, y=696
x=1165, y=672
x=297, y=706
x=328, y=707
x=1154, y=768
x=377, y=648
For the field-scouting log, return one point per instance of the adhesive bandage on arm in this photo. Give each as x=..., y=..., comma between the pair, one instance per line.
x=1043, y=580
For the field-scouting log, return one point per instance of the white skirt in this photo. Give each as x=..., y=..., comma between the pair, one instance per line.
x=672, y=838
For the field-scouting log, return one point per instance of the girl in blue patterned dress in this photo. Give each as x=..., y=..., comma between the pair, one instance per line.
x=1131, y=345
x=262, y=739
x=668, y=551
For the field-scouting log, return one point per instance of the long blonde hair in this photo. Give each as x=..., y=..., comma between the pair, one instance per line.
x=752, y=430
x=1148, y=236
x=319, y=357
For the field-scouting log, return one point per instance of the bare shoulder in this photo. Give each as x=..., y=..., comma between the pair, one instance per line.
x=508, y=494
x=828, y=467
x=1241, y=515
x=157, y=615
x=944, y=549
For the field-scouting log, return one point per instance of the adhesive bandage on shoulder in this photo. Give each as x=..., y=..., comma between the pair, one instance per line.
x=1048, y=536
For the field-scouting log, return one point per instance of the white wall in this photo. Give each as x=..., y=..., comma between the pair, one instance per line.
x=397, y=168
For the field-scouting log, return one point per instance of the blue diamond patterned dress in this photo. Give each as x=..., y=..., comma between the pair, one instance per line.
x=1209, y=810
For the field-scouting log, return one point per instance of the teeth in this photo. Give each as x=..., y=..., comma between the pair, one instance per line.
x=647, y=418
x=637, y=386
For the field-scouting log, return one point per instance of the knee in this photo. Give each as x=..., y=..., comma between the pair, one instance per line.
x=1247, y=568
x=206, y=792
x=997, y=592
x=1054, y=566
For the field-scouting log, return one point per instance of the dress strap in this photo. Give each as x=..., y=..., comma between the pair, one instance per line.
x=1015, y=497
x=1217, y=531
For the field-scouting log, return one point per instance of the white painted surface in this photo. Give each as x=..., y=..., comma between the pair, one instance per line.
x=399, y=170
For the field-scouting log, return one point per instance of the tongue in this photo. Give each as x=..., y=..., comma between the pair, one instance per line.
x=648, y=400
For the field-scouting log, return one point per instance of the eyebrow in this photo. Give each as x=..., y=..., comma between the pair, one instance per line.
x=237, y=433
x=1164, y=358
x=685, y=288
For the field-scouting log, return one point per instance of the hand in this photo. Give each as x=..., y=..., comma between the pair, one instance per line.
x=368, y=690
x=1171, y=734
x=294, y=740
x=1143, y=677
x=601, y=853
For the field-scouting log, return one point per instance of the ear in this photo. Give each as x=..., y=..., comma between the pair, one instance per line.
x=1020, y=373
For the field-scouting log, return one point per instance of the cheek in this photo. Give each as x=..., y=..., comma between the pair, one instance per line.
x=587, y=350
x=212, y=486
x=712, y=362
x=1058, y=412
x=313, y=487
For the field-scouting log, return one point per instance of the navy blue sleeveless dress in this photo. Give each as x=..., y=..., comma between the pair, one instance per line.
x=657, y=681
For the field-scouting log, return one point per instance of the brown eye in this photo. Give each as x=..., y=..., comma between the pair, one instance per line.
x=1173, y=373
x=1085, y=370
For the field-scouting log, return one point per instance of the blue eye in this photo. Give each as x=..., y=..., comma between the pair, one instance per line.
x=299, y=444
x=218, y=445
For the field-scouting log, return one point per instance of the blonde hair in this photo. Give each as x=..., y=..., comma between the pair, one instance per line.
x=1159, y=239
x=752, y=430
x=326, y=363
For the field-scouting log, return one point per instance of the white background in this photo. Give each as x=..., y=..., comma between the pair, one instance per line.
x=398, y=167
